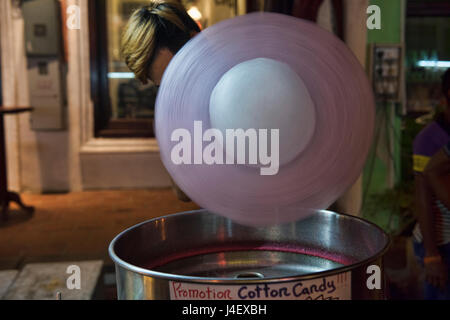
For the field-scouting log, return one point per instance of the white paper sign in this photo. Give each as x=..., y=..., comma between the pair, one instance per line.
x=336, y=287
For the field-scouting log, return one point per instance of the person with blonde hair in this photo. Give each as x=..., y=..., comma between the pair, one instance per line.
x=152, y=36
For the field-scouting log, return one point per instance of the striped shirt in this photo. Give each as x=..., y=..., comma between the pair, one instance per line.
x=442, y=224
x=427, y=143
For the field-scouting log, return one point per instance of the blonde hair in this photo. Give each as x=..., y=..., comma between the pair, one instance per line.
x=162, y=23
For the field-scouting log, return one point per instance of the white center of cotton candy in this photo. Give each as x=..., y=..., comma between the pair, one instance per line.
x=264, y=93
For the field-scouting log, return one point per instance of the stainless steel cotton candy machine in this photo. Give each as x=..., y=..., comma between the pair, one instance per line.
x=199, y=255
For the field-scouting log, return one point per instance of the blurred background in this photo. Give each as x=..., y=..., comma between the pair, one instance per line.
x=79, y=146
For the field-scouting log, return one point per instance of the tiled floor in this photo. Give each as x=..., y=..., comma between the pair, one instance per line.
x=78, y=226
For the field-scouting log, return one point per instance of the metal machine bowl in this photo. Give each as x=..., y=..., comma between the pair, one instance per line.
x=199, y=255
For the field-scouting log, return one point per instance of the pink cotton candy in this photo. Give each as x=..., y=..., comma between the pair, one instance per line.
x=344, y=118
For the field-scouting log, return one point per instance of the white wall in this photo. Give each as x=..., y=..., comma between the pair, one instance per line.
x=36, y=161
x=9, y=87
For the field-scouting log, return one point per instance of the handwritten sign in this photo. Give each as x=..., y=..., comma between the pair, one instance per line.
x=336, y=287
